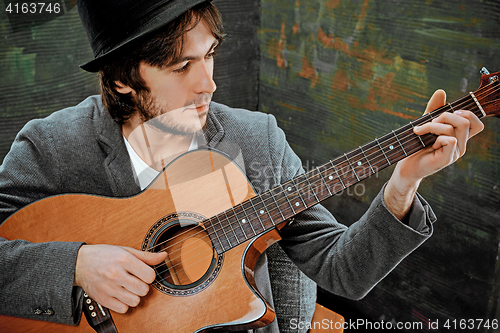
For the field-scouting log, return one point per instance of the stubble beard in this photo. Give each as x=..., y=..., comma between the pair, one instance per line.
x=159, y=119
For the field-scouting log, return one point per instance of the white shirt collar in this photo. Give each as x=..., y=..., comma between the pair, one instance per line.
x=145, y=173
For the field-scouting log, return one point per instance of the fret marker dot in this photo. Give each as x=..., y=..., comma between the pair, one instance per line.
x=359, y=163
x=297, y=204
x=244, y=221
x=330, y=177
x=289, y=188
x=391, y=147
x=261, y=212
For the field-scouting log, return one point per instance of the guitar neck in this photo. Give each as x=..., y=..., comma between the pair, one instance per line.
x=264, y=212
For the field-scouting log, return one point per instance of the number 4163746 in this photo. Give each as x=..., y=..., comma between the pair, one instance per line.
x=33, y=8
x=471, y=324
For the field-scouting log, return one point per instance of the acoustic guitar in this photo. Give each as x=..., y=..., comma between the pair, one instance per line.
x=204, y=213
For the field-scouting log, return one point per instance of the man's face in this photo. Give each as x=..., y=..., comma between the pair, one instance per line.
x=180, y=94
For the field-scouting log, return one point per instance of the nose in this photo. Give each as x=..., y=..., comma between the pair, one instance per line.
x=204, y=80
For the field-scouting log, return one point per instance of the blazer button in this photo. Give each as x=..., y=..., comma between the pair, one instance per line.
x=37, y=311
x=49, y=312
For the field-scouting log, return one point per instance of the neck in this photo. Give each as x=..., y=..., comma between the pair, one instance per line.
x=272, y=208
x=154, y=147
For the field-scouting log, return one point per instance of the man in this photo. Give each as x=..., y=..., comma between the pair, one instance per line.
x=156, y=62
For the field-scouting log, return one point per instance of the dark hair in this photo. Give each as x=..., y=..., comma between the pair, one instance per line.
x=161, y=49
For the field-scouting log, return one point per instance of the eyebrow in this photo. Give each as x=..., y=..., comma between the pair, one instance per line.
x=188, y=58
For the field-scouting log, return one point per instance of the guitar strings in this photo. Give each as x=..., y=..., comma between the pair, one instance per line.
x=442, y=109
x=193, y=249
x=309, y=184
x=177, y=271
x=211, y=255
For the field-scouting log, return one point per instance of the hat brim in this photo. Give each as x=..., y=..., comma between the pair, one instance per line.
x=146, y=25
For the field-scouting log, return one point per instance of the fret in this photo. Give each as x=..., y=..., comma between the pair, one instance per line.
x=423, y=144
x=277, y=206
x=341, y=182
x=213, y=232
x=242, y=217
x=265, y=211
x=231, y=227
x=289, y=189
x=323, y=180
x=353, y=170
x=366, y=158
x=312, y=189
x=414, y=145
x=295, y=195
x=429, y=138
x=378, y=143
x=239, y=223
x=253, y=218
x=330, y=181
x=302, y=191
x=225, y=234
x=236, y=226
x=283, y=202
x=403, y=148
x=272, y=208
x=223, y=229
x=432, y=116
x=258, y=212
x=246, y=220
x=451, y=107
x=390, y=142
x=221, y=235
x=360, y=163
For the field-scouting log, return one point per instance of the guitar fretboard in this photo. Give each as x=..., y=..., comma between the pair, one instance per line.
x=264, y=212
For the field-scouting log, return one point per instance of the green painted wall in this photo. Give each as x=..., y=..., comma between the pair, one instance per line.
x=339, y=73
x=39, y=70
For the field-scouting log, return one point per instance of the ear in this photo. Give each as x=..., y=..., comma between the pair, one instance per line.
x=123, y=89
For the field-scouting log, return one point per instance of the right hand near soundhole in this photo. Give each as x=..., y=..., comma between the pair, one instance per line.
x=115, y=276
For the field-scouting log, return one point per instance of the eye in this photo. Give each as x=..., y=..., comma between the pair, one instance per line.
x=212, y=53
x=181, y=69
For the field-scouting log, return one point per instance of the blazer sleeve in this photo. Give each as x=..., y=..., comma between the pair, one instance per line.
x=348, y=261
x=37, y=278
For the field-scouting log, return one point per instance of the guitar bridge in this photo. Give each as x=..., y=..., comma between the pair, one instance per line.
x=99, y=318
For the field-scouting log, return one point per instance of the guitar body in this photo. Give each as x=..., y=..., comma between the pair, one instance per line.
x=198, y=289
x=207, y=281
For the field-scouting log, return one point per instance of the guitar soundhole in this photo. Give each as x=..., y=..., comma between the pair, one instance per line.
x=192, y=263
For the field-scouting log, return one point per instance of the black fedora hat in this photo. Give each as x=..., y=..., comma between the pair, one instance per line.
x=112, y=24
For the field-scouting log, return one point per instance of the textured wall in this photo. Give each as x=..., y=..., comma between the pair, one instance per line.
x=39, y=64
x=339, y=73
x=39, y=70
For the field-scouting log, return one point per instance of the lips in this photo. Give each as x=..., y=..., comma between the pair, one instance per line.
x=202, y=108
x=199, y=108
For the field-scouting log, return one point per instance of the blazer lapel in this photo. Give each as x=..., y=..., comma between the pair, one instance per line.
x=117, y=163
x=213, y=130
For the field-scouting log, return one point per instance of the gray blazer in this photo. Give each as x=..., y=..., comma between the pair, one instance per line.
x=81, y=150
